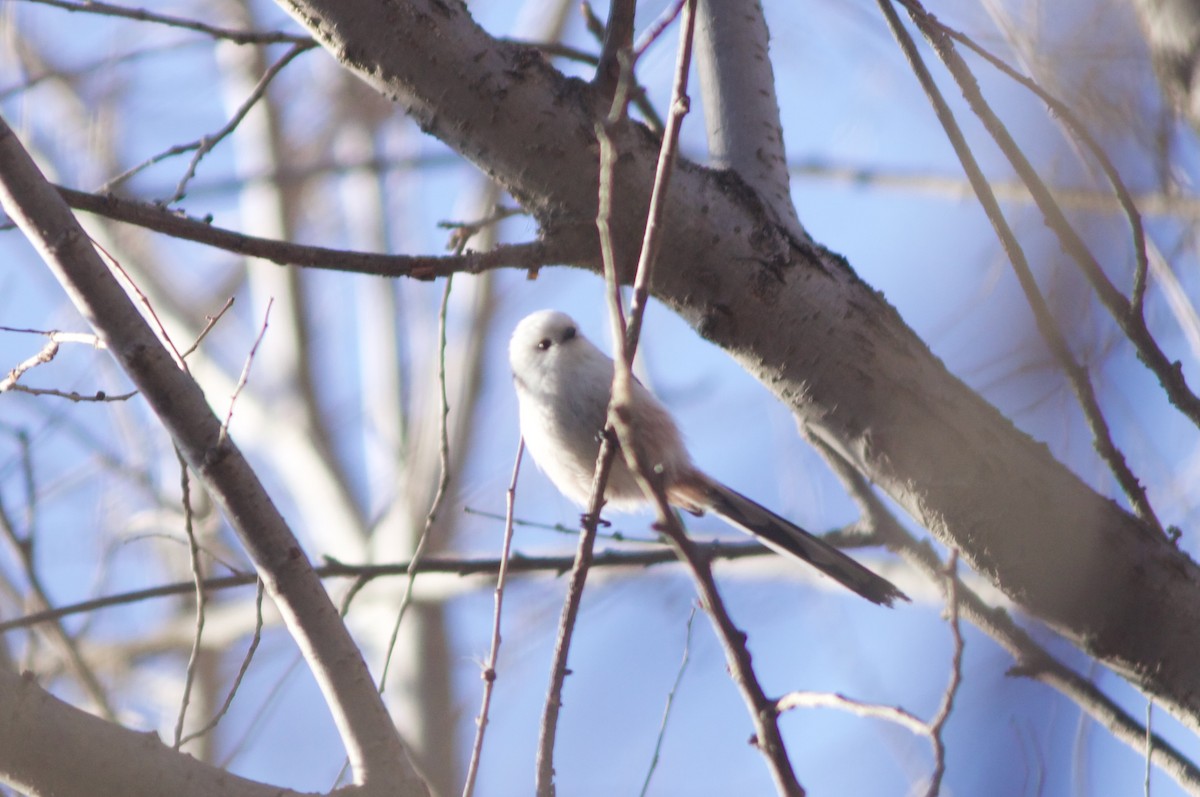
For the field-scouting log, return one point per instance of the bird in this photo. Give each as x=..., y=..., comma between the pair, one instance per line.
x=563, y=384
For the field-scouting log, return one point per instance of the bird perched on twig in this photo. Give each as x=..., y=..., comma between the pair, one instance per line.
x=563, y=386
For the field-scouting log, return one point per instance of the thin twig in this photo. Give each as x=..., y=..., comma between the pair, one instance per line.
x=662, y=726
x=439, y=497
x=47, y=353
x=523, y=565
x=893, y=714
x=203, y=145
x=211, y=321
x=131, y=284
x=1032, y=660
x=71, y=395
x=938, y=723
x=141, y=15
x=531, y=255
x=23, y=545
x=245, y=375
x=762, y=710
x=582, y=562
x=657, y=28
x=201, y=598
x=548, y=729
x=1149, y=741
x=255, y=639
x=489, y=669
x=257, y=93
x=1079, y=130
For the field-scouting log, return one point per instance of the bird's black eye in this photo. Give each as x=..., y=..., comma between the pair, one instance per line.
x=568, y=333
x=543, y=344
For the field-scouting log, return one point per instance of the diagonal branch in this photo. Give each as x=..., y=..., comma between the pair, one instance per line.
x=374, y=748
x=421, y=267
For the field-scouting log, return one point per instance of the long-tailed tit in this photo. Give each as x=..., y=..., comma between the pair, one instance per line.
x=563, y=386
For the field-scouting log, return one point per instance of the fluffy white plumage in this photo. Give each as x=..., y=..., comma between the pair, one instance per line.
x=563, y=385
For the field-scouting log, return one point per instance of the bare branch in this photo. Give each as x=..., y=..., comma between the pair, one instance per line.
x=141, y=15
x=255, y=639
x=204, y=145
x=153, y=217
x=201, y=596
x=439, y=496
x=662, y=727
x=938, y=723
x=365, y=727
x=76, y=664
x=244, y=377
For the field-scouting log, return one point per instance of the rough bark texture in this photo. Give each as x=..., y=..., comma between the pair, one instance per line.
x=797, y=317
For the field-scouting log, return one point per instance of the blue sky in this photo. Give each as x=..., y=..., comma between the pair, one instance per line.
x=847, y=99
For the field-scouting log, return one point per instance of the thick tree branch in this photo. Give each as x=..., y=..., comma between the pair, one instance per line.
x=50, y=747
x=741, y=112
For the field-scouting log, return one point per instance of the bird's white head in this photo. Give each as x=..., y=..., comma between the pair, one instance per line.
x=547, y=346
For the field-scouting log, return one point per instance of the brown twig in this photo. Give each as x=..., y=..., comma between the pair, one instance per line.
x=523, y=565
x=761, y=709
x=489, y=668
x=202, y=146
x=255, y=639
x=439, y=496
x=548, y=731
x=189, y=679
x=938, y=723
x=245, y=375
x=422, y=267
x=141, y=15
x=548, y=728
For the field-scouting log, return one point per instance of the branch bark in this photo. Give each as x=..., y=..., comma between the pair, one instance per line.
x=50, y=747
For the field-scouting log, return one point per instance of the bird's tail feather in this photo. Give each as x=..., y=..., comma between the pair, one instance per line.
x=788, y=538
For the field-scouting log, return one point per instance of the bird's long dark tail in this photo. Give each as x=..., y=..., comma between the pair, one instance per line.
x=788, y=538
